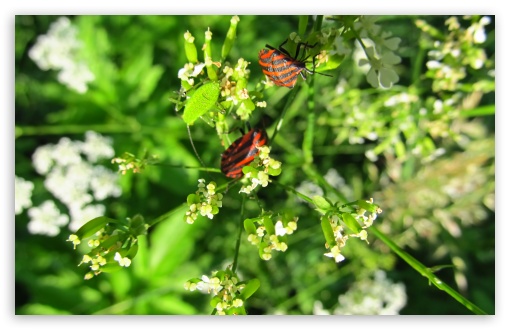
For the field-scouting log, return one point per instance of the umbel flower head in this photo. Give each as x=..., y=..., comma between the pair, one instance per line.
x=73, y=176
x=260, y=169
x=269, y=233
x=113, y=243
x=339, y=226
x=228, y=292
x=205, y=202
x=59, y=49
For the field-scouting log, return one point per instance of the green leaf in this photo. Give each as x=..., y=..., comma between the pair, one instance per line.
x=93, y=226
x=251, y=287
x=171, y=243
x=172, y=305
x=120, y=282
x=250, y=227
x=140, y=265
x=192, y=199
x=333, y=63
x=201, y=101
x=214, y=301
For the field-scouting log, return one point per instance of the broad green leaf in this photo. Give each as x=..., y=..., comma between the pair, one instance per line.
x=93, y=226
x=171, y=243
x=251, y=287
x=200, y=102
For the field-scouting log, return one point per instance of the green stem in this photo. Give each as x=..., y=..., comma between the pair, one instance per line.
x=425, y=271
x=294, y=191
x=167, y=215
x=318, y=23
x=198, y=168
x=290, y=98
x=417, y=66
x=238, y=243
x=312, y=173
x=313, y=289
x=303, y=23
x=310, y=126
x=73, y=129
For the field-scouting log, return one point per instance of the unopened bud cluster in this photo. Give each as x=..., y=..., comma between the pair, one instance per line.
x=128, y=162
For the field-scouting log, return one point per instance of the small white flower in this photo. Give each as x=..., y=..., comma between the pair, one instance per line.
x=59, y=50
x=104, y=183
x=66, y=152
x=46, y=219
x=76, y=77
x=22, y=194
x=42, y=159
x=279, y=229
x=82, y=214
x=335, y=254
x=97, y=147
x=124, y=262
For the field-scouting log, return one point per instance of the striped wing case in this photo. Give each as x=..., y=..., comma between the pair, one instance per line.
x=242, y=152
x=280, y=68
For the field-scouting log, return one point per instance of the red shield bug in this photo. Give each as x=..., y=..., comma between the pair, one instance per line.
x=242, y=152
x=281, y=68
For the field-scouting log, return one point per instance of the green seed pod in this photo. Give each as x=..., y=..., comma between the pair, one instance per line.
x=230, y=38
x=211, y=70
x=268, y=223
x=328, y=231
x=351, y=223
x=190, y=48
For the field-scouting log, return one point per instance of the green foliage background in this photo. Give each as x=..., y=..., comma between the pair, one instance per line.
x=135, y=60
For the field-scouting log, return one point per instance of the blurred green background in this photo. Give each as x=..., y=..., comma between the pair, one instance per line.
x=437, y=205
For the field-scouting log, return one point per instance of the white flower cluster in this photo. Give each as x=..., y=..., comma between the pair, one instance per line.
x=59, y=50
x=450, y=57
x=268, y=241
x=205, y=202
x=189, y=71
x=228, y=290
x=377, y=51
x=341, y=237
x=377, y=296
x=261, y=167
x=22, y=194
x=74, y=181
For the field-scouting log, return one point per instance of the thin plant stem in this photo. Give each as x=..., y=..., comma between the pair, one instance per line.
x=290, y=98
x=238, y=242
x=427, y=272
